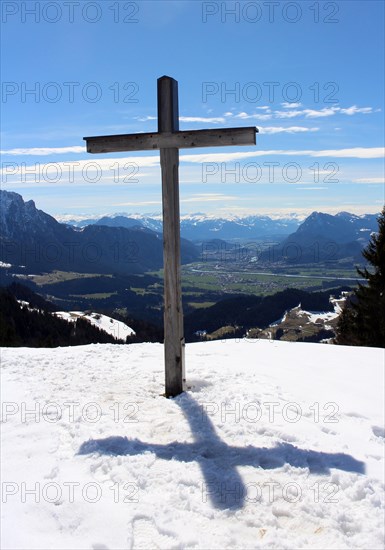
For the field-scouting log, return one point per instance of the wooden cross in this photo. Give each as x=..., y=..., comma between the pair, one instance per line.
x=169, y=140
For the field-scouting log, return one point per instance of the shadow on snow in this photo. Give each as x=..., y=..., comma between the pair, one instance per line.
x=218, y=460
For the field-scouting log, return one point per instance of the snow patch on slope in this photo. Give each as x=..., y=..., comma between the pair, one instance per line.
x=117, y=329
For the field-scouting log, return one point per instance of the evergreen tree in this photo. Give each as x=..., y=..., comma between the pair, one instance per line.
x=362, y=321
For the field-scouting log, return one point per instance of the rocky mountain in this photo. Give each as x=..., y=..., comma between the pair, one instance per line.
x=323, y=237
x=32, y=238
x=22, y=219
x=341, y=228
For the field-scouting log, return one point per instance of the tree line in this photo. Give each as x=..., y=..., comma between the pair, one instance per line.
x=362, y=321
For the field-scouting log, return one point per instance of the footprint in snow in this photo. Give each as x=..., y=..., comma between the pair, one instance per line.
x=53, y=473
x=328, y=431
x=379, y=431
x=356, y=415
x=146, y=535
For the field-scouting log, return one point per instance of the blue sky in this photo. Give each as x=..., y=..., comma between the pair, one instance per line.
x=309, y=75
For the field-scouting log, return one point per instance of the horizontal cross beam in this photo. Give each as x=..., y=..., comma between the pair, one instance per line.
x=180, y=140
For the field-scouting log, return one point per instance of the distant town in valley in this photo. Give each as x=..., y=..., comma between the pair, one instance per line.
x=253, y=277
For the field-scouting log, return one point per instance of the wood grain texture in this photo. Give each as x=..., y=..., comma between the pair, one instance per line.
x=187, y=139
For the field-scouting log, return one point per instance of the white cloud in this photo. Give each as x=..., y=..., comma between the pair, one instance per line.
x=370, y=180
x=263, y=117
x=138, y=203
x=356, y=152
x=218, y=157
x=287, y=114
x=354, y=110
x=246, y=116
x=132, y=168
x=209, y=197
x=329, y=111
x=320, y=113
x=42, y=151
x=146, y=118
x=287, y=130
x=287, y=105
x=291, y=110
x=90, y=171
x=214, y=120
x=306, y=188
x=326, y=111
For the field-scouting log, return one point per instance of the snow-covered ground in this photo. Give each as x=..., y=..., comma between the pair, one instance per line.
x=314, y=316
x=275, y=445
x=117, y=329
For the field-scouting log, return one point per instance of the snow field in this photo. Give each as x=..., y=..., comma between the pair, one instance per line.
x=274, y=445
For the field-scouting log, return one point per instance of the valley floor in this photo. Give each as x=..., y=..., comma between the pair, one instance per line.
x=274, y=445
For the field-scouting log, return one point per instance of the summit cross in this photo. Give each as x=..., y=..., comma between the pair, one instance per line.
x=168, y=140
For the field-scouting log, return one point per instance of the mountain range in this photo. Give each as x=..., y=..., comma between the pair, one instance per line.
x=319, y=236
x=200, y=227
x=133, y=245
x=33, y=239
x=325, y=238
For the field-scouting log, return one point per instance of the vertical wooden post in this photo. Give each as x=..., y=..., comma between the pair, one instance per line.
x=168, y=121
x=169, y=140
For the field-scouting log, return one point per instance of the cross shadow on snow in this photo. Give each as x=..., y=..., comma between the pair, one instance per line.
x=218, y=461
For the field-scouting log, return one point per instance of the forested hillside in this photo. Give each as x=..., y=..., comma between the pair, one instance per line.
x=20, y=325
